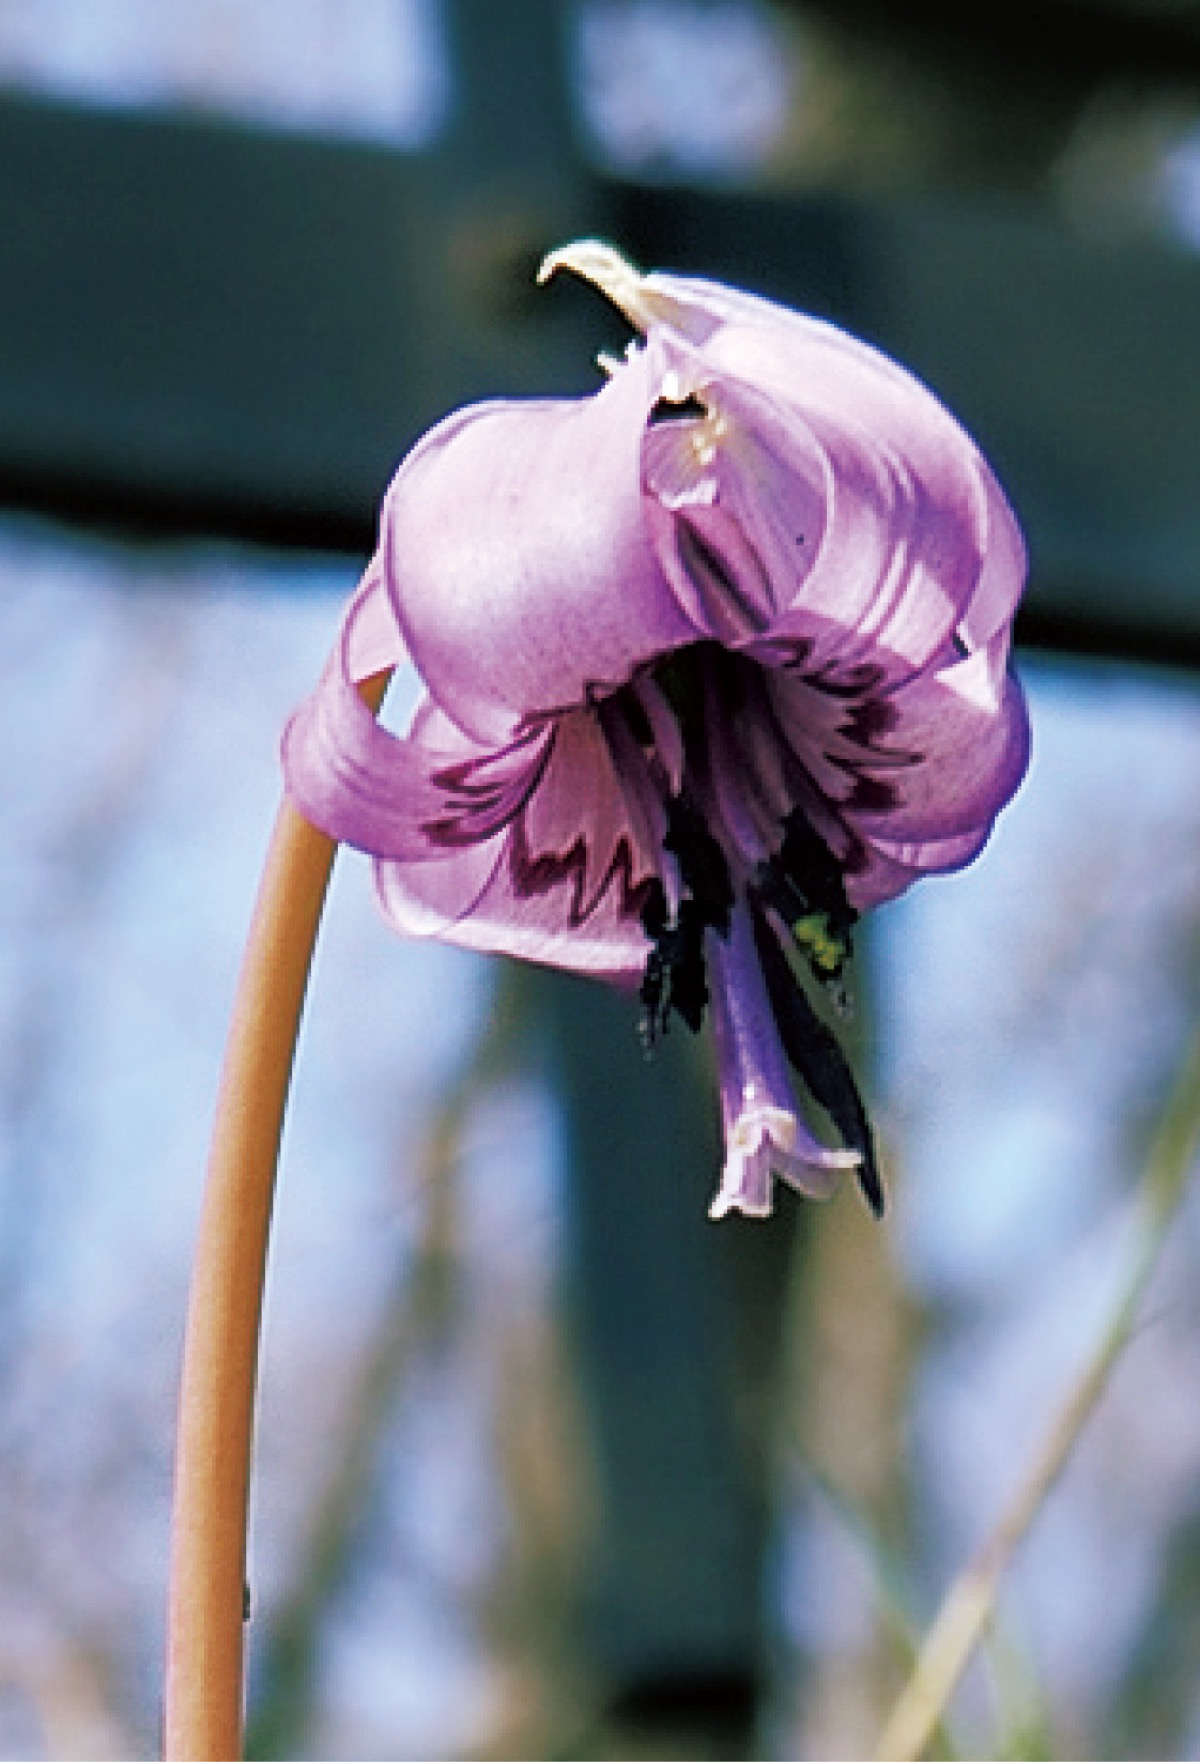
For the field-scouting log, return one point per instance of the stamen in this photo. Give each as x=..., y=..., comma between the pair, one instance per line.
x=675, y=978
x=819, y=1060
x=707, y=439
x=703, y=868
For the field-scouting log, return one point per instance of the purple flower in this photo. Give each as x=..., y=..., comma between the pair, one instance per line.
x=713, y=660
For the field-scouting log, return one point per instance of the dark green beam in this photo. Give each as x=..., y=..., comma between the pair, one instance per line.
x=206, y=327
x=203, y=325
x=1070, y=46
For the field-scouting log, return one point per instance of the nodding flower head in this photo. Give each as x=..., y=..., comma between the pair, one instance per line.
x=714, y=660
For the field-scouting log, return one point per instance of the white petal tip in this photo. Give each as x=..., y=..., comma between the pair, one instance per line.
x=723, y=1204
x=748, y=1184
x=592, y=259
x=841, y=1159
x=603, y=265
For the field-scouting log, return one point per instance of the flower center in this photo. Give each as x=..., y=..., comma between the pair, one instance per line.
x=675, y=977
x=722, y=841
x=739, y=850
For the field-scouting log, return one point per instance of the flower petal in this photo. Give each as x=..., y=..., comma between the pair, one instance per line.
x=542, y=845
x=931, y=760
x=516, y=556
x=967, y=731
x=402, y=798
x=765, y=1137
x=561, y=881
x=798, y=522
x=343, y=771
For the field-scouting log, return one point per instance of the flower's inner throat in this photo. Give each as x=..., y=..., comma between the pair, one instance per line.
x=795, y=896
x=675, y=977
x=800, y=886
x=794, y=876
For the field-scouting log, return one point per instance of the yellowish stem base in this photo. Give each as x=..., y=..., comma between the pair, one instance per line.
x=203, y=1720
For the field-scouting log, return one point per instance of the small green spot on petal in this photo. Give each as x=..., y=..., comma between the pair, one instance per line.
x=827, y=954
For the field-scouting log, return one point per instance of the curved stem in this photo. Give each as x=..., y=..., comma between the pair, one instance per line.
x=204, y=1684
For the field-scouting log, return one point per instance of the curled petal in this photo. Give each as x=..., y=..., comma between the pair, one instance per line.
x=344, y=772
x=809, y=364
x=516, y=557
x=966, y=731
x=560, y=879
x=409, y=799
x=765, y=1138
x=889, y=868
x=690, y=306
x=930, y=763
x=799, y=523
x=1002, y=577
x=824, y=479
x=737, y=523
x=535, y=847
x=897, y=784
x=895, y=454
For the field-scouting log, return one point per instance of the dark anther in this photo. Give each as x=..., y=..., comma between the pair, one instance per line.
x=675, y=978
x=655, y=1008
x=811, y=866
x=689, y=983
x=639, y=722
x=703, y=869
x=680, y=678
x=654, y=996
x=819, y=1060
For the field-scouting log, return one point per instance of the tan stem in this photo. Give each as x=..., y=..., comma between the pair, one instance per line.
x=204, y=1684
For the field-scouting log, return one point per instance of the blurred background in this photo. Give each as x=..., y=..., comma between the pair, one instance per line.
x=547, y=1465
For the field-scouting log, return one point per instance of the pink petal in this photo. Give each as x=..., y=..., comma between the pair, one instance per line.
x=812, y=365
x=765, y=1138
x=936, y=757
x=392, y=796
x=973, y=734
x=516, y=555
x=804, y=523
x=538, y=846
x=562, y=882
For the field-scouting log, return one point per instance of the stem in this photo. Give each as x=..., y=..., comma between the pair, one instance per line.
x=204, y=1686
x=967, y=1609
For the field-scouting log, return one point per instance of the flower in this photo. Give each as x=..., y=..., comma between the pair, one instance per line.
x=713, y=659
